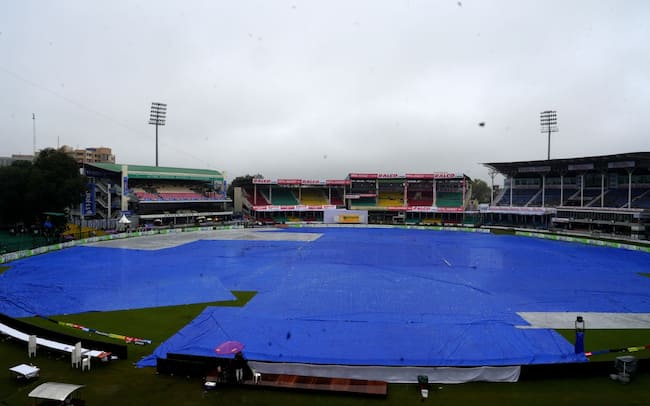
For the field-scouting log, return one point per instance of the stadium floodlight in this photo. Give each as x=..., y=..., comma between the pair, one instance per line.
x=548, y=120
x=157, y=117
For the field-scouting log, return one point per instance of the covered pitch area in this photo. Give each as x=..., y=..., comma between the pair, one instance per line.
x=356, y=297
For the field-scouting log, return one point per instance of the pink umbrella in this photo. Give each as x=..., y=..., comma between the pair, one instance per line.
x=229, y=348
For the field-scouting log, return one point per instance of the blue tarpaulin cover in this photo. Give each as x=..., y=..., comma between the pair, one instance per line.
x=83, y=279
x=402, y=297
x=353, y=296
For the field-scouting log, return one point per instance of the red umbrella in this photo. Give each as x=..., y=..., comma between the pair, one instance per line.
x=229, y=348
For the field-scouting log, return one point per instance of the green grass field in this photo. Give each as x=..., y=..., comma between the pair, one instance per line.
x=120, y=382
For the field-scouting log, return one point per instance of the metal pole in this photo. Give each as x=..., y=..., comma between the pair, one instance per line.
x=34, y=132
x=108, y=217
x=548, y=155
x=156, y=143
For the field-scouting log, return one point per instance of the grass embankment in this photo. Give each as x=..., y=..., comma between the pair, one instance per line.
x=120, y=382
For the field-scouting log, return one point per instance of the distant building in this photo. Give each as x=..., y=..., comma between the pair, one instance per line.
x=6, y=160
x=91, y=155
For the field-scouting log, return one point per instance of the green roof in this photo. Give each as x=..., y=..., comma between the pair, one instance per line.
x=159, y=172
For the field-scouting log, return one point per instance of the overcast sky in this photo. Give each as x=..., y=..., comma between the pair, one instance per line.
x=319, y=89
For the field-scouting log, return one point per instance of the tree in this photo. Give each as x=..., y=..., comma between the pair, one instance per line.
x=55, y=183
x=13, y=183
x=245, y=182
x=51, y=183
x=481, y=191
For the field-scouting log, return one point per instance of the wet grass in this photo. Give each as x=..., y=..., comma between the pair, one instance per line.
x=596, y=340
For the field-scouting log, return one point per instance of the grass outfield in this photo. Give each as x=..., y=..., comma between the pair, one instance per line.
x=120, y=382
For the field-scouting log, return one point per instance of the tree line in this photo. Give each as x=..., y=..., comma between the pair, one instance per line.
x=29, y=190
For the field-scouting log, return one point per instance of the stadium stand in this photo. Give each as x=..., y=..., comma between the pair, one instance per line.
x=387, y=199
x=520, y=197
x=607, y=194
x=420, y=198
x=312, y=196
x=153, y=196
x=449, y=199
x=363, y=202
x=337, y=198
x=283, y=197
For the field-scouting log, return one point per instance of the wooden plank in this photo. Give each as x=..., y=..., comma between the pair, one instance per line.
x=341, y=385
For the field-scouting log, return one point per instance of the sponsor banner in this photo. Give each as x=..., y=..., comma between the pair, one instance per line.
x=437, y=175
x=534, y=169
x=298, y=207
x=88, y=205
x=312, y=182
x=396, y=208
x=623, y=164
x=388, y=176
x=519, y=210
x=360, y=195
x=433, y=209
x=289, y=181
x=447, y=175
x=421, y=209
x=449, y=209
x=262, y=181
x=337, y=182
x=581, y=167
x=363, y=176
x=348, y=219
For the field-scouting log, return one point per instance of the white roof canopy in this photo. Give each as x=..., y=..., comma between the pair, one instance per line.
x=24, y=369
x=54, y=391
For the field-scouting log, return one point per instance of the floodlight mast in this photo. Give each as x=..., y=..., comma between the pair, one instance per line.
x=548, y=121
x=157, y=117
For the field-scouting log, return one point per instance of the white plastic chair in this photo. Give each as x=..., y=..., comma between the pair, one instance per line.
x=257, y=377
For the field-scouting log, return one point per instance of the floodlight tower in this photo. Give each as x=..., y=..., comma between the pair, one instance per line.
x=157, y=117
x=548, y=120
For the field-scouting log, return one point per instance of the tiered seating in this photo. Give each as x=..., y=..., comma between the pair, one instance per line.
x=178, y=193
x=420, y=198
x=215, y=195
x=312, y=197
x=551, y=197
x=449, y=199
x=618, y=197
x=364, y=201
x=337, y=198
x=259, y=199
x=588, y=194
x=146, y=196
x=283, y=197
x=642, y=201
x=181, y=196
x=520, y=197
x=387, y=199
